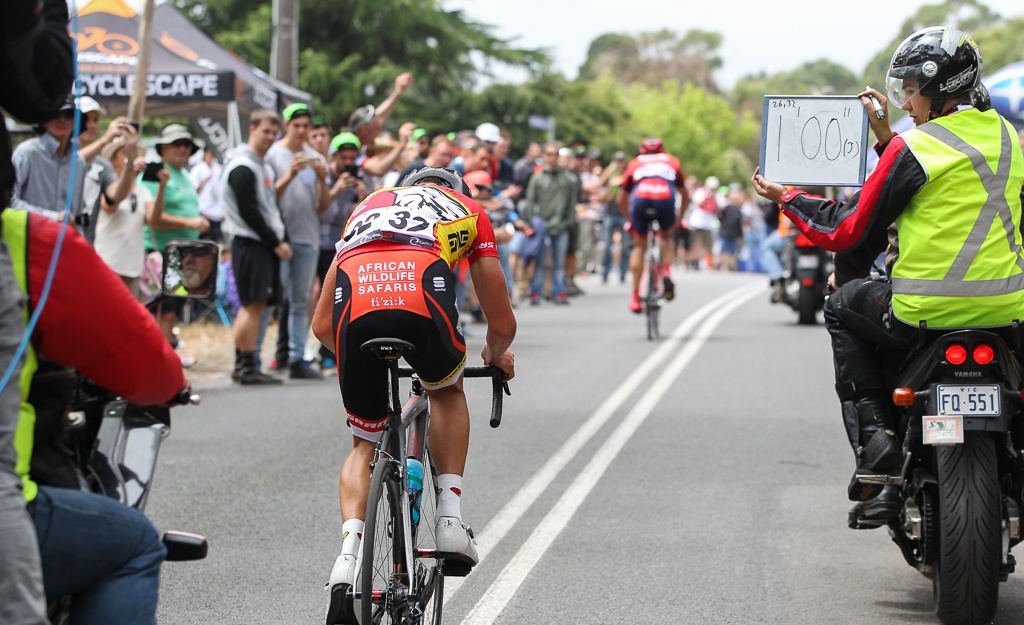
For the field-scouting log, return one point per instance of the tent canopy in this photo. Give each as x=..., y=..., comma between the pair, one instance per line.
x=190, y=74
x=1006, y=87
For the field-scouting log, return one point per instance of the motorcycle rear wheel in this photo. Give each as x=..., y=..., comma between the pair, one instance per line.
x=808, y=303
x=966, y=575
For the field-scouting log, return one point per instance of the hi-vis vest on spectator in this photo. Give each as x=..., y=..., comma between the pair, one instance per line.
x=15, y=226
x=960, y=262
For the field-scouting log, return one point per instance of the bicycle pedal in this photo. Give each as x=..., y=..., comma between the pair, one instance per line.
x=456, y=568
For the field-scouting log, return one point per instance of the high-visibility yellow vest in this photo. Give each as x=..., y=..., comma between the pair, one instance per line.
x=15, y=234
x=960, y=261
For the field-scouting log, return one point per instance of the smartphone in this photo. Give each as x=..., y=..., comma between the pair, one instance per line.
x=353, y=169
x=136, y=126
x=152, y=169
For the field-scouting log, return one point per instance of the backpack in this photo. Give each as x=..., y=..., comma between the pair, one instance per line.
x=709, y=204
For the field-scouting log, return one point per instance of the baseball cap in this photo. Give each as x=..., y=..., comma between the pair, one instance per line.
x=419, y=133
x=488, y=132
x=295, y=110
x=477, y=179
x=619, y=156
x=343, y=139
x=87, y=105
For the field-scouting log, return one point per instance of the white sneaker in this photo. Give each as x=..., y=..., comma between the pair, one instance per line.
x=455, y=539
x=340, y=608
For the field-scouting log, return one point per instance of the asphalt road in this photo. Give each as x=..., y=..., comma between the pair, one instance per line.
x=697, y=479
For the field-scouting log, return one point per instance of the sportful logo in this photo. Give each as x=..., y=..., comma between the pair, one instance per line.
x=439, y=284
x=338, y=295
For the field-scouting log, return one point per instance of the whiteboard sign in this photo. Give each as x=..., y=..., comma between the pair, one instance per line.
x=814, y=140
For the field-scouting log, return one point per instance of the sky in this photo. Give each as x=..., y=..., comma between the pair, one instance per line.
x=769, y=35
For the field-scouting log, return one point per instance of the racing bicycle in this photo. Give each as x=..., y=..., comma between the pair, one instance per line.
x=651, y=287
x=401, y=580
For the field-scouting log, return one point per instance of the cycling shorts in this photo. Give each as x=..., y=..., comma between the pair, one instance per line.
x=402, y=294
x=664, y=213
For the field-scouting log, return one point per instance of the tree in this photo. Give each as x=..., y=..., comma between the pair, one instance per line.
x=653, y=57
x=701, y=128
x=350, y=57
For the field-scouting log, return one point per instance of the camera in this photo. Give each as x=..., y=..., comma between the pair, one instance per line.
x=152, y=169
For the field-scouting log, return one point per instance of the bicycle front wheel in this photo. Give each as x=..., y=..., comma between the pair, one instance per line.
x=384, y=581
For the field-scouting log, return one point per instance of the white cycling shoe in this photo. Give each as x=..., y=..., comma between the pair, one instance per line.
x=342, y=610
x=455, y=540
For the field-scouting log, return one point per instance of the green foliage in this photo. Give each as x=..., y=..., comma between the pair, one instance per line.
x=701, y=128
x=1001, y=45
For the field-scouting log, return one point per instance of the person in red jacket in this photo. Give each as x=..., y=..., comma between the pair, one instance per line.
x=103, y=554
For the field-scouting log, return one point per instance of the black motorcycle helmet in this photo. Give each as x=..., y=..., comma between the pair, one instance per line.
x=944, y=61
x=439, y=176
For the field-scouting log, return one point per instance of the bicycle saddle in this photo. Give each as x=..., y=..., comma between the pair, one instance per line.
x=387, y=348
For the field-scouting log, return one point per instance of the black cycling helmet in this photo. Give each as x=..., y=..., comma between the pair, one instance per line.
x=439, y=176
x=944, y=61
x=651, y=145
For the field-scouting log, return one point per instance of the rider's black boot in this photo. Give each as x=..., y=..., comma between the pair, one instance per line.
x=876, y=512
x=878, y=450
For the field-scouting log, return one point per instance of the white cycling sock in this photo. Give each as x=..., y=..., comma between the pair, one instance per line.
x=351, y=536
x=449, y=502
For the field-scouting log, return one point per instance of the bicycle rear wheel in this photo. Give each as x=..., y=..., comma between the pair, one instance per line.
x=652, y=302
x=384, y=582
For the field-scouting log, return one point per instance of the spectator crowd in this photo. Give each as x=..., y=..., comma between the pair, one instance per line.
x=277, y=205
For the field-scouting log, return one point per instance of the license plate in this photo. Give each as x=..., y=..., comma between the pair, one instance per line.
x=980, y=400
x=807, y=261
x=937, y=430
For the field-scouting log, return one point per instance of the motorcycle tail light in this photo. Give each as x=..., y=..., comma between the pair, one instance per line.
x=903, y=397
x=956, y=354
x=983, y=354
x=808, y=282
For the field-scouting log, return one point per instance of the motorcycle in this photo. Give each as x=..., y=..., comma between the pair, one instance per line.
x=804, y=285
x=115, y=444
x=960, y=415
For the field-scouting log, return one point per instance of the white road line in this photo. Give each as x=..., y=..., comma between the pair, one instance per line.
x=512, y=576
x=511, y=512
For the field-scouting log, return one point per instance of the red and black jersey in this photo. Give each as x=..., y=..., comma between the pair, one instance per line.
x=653, y=176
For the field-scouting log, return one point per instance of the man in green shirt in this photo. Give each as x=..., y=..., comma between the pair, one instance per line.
x=175, y=212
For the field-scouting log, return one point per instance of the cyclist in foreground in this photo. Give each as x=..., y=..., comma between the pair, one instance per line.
x=953, y=187
x=651, y=181
x=392, y=278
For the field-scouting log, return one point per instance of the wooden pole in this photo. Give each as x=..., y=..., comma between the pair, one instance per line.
x=137, y=101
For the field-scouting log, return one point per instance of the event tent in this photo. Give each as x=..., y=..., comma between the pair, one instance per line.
x=189, y=75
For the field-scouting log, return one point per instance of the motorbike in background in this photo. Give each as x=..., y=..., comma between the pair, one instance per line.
x=804, y=285
x=115, y=444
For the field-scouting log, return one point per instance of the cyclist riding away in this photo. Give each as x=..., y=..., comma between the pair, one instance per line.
x=392, y=278
x=953, y=187
x=651, y=181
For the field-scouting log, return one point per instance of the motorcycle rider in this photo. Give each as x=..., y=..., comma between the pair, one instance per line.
x=104, y=555
x=953, y=187
x=36, y=69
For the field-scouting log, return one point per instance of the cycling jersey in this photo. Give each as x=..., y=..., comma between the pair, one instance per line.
x=652, y=180
x=653, y=176
x=394, y=279
x=446, y=222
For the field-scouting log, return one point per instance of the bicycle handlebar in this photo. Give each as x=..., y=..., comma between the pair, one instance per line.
x=498, y=386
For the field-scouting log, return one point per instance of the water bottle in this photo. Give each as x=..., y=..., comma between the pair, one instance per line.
x=414, y=471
